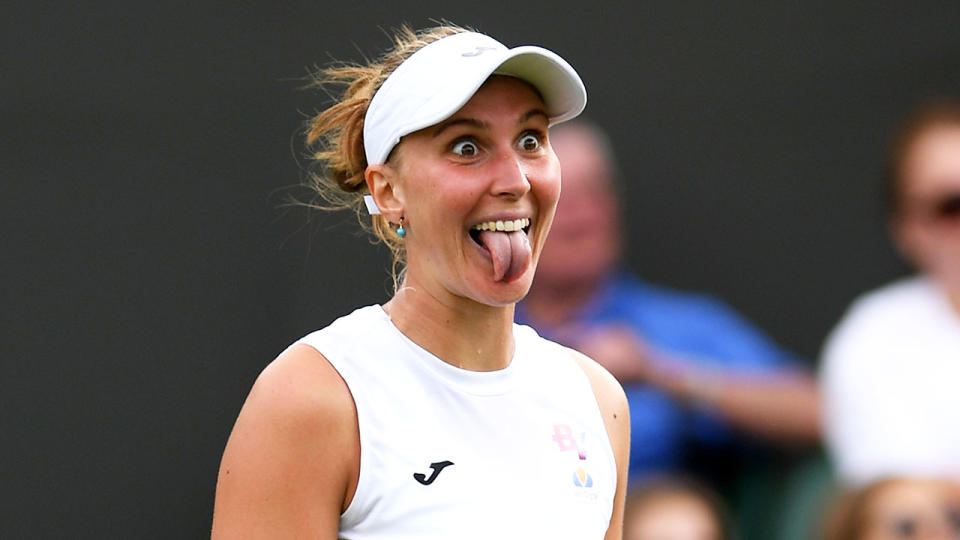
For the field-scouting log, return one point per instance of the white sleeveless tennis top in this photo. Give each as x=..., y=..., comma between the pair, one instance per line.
x=447, y=453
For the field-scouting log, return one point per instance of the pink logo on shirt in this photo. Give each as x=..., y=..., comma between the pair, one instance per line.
x=563, y=436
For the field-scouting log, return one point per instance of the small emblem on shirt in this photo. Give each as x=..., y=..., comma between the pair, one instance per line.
x=581, y=478
x=437, y=467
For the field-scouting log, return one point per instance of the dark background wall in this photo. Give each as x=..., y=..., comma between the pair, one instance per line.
x=149, y=269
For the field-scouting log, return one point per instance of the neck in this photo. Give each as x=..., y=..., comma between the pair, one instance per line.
x=554, y=304
x=459, y=331
x=954, y=297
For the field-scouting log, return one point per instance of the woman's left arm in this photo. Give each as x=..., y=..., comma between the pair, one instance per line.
x=616, y=418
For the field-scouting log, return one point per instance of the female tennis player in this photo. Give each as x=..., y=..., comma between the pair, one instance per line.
x=434, y=416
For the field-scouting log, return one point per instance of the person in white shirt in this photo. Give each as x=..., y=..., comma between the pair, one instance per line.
x=434, y=416
x=891, y=367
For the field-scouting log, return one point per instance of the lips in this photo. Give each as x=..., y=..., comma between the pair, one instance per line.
x=506, y=242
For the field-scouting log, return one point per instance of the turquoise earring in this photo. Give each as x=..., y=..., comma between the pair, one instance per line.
x=401, y=232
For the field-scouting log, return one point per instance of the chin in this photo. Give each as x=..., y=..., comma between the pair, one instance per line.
x=501, y=294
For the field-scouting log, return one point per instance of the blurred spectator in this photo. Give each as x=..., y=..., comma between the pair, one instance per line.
x=674, y=509
x=897, y=509
x=892, y=365
x=692, y=368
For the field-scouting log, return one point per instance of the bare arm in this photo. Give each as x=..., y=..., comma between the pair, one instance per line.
x=616, y=418
x=292, y=460
x=783, y=406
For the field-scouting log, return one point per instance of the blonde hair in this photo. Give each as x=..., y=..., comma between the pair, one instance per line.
x=335, y=135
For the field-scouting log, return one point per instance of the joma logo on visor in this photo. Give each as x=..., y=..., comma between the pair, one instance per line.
x=478, y=51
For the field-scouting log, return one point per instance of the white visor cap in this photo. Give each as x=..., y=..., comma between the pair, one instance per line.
x=439, y=79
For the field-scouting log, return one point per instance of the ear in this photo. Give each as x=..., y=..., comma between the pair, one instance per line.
x=382, y=181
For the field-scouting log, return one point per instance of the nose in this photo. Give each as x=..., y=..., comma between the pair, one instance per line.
x=509, y=176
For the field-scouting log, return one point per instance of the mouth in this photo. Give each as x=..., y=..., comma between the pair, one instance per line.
x=510, y=225
x=505, y=244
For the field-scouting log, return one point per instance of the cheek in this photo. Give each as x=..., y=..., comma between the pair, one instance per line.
x=545, y=184
x=546, y=192
x=933, y=243
x=438, y=196
x=912, y=240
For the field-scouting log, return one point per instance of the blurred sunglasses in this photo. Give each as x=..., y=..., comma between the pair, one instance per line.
x=909, y=527
x=944, y=209
x=947, y=208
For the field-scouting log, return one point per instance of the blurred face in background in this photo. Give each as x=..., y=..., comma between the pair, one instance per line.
x=584, y=242
x=927, y=223
x=674, y=516
x=913, y=510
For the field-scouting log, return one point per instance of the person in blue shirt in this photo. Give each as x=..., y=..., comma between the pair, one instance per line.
x=699, y=378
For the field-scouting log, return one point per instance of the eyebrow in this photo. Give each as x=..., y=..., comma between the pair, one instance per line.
x=535, y=112
x=459, y=121
x=480, y=124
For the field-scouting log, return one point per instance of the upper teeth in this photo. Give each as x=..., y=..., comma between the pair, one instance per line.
x=510, y=225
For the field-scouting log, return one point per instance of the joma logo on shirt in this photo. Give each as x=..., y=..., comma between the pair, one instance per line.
x=437, y=467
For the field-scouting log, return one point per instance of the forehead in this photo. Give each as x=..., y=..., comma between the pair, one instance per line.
x=911, y=494
x=501, y=95
x=674, y=513
x=933, y=161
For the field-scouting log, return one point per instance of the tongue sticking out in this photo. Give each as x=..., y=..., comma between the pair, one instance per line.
x=510, y=252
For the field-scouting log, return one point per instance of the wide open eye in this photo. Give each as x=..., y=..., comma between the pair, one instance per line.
x=465, y=148
x=529, y=142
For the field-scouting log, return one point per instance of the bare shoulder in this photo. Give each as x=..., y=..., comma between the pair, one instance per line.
x=291, y=461
x=302, y=387
x=297, y=395
x=616, y=418
x=609, y=392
